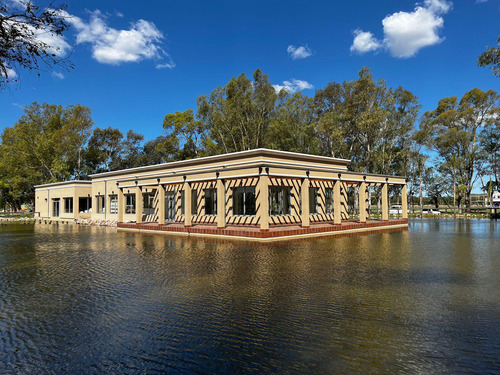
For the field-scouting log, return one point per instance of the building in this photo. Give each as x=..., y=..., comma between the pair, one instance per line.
x=256, y=194
x=64, y=200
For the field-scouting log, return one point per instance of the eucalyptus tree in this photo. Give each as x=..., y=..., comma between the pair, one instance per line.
x=104, y=149
x=23, y=25
x=491, y=58
x=237, y=116
x=184, y=136
x=43, y=146
x=457, y=128
x=294, y=125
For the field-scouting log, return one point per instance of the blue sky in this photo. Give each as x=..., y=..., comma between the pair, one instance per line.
x=137, y=61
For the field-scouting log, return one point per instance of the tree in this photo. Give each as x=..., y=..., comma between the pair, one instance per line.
x=42, y=147
x=491, y=57
x=104, y=149
x=366, y=122
x=184, y=136
x=23, y=26
x=294, y=126
x=236, y=117
x=457, y=128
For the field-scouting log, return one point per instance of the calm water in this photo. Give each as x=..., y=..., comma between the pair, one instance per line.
x=91, y=300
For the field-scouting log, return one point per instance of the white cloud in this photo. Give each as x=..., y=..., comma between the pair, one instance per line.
x=142, y=41
x=169, y=65
x=364, y=41
x=293, y=86
x=300, y=52
x=10, y=73
x=57, y=75
x=405, y=33
x=56, y=44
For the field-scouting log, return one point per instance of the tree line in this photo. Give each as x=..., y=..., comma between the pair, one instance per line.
x=445, y=152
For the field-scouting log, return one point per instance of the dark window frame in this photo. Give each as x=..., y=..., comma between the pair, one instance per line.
x=100, y=207
x=210, y=197
x=130, y=204
x=313, y=200
x=329, y=207
x=68, y=210
x=248, y=204
x=280, y=201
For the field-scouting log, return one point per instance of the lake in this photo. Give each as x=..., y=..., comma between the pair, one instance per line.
x=93, y=300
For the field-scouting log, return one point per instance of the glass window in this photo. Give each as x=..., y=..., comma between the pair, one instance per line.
x=101, y=208
x=113, y=204
x=280, y=200
x=313, y=200
x=55, y=207
x=130, y=203
x=85, y=205
x=329, y=201
x=244, y=201
x=194, y=202
x=210, y=201
x=148, y=200
x=68, y=205
x=182, y=202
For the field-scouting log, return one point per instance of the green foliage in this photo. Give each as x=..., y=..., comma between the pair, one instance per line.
x=366, y=122
x=45, y=145
x=20, y=47
x=363, y=120
x=237, y=116
x=491, y=58
x=457, y=128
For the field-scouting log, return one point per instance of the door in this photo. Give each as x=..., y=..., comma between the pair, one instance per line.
x=55, y=207
x=169, y=206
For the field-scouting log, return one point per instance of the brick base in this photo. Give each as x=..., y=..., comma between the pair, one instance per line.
x=273, y=232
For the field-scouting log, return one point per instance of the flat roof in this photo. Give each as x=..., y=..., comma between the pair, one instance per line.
x=230, y=156
x=62, y=183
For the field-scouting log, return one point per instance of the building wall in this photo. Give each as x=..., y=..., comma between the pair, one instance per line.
x=45, y=196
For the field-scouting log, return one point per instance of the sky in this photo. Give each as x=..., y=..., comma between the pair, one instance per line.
x=136, y=61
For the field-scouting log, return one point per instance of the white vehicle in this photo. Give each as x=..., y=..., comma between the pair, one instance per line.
x=396, y=209
x=495, y=199
x=431, y=211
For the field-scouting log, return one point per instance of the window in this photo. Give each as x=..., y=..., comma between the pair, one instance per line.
x=313, y=200
x=183, y=210
x=113, y=204
x=194, y=202
x=329, y=201
x=244, y=201
x=130, y=203
x=210, y=201
x=101, y=208
x=68, y=205
x=279, y=200
x=148, y=203
x=85, y=205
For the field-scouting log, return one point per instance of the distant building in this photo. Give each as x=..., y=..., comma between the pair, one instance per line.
x=258, y=194
x=64, y=200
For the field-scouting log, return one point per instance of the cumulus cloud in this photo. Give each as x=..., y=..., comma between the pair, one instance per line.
x=364, y=41
x=405, y=33
x=300, y=52
x=142, y=41
x=293, y=86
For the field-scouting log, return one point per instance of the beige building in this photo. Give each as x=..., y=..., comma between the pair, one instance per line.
x=259, y=194
x=64, y=200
